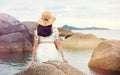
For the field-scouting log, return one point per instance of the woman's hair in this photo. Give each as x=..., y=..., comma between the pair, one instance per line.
x=44, y=30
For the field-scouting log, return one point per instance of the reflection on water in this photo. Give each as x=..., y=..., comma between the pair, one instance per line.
x=11, y=63
x=79, y=59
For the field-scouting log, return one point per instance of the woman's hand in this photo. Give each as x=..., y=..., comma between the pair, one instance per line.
x=59, y=46
x=65, y=60
x=31, y=62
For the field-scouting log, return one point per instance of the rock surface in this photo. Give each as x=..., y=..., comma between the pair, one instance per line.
x=106, y=56
x=51, y=68
x=7, y=20
x=81, y=41
x=64, y=32
x=31, y=26
x=14, y=36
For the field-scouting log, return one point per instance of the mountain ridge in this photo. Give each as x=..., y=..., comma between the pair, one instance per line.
x=86, y=28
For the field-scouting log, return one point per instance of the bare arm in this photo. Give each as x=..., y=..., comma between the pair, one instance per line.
x=34, y=49
x=59, y=46
x=35, y=44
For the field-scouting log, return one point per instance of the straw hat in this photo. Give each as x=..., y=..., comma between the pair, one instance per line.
x=46, y=19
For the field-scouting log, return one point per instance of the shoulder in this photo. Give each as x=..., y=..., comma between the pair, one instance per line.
x=35, y=31
x=55, y=29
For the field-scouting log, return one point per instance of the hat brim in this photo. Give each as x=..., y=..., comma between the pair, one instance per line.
x=46, y=23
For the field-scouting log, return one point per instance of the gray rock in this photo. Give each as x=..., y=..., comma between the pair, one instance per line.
x=14, y=35
x=31, y=26
x=7, y=20
x=16, y=41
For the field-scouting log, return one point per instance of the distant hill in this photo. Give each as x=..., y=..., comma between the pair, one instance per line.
x=86, y=28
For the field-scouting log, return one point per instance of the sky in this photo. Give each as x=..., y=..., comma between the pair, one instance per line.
x=78, y=13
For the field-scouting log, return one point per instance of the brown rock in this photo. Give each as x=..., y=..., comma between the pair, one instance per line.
x=64, y=32
x=106, y=56
x=81, y=41
x=51, y=68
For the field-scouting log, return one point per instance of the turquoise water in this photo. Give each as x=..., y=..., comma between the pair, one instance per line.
x=11, y=63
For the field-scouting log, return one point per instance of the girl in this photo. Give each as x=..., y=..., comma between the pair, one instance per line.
x=48, y=38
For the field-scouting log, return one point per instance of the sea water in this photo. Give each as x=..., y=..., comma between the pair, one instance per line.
x=106, y=34
x=11, y=63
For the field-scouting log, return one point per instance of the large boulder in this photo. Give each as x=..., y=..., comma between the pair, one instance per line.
x=14, y=35
x=14, y=38
x=106, y=56
x=31, y=26
x=51, y=68
x=7, y=20
x=81, y=41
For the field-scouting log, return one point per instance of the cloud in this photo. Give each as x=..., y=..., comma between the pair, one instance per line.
x=86, y=12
